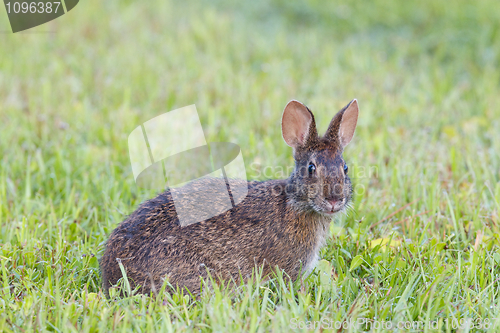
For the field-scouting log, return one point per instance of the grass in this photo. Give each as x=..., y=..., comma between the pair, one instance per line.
x=423, y=242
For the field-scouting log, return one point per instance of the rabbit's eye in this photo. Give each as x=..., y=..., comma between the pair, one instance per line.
x=311, y=169
x=345, y=169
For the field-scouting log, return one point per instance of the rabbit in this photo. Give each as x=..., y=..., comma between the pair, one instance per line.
x=280, y=224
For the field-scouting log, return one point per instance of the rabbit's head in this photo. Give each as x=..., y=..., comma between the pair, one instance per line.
x=320, y=180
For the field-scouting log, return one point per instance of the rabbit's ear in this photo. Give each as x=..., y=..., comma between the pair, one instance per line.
x=341, y=128
x=297, y=125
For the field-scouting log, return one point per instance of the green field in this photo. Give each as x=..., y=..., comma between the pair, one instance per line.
x=421, y=245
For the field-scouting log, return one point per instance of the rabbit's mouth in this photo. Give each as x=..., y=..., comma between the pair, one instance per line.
x=333, y=206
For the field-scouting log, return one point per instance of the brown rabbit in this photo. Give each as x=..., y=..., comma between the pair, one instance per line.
x=280, y=223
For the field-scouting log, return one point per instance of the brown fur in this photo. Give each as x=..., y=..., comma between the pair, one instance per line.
x=281, y=223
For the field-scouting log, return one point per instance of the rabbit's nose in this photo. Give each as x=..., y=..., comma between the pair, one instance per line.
x=333, y=201
x=336, y=204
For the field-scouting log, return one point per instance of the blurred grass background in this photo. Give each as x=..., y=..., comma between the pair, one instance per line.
x=426, y=77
